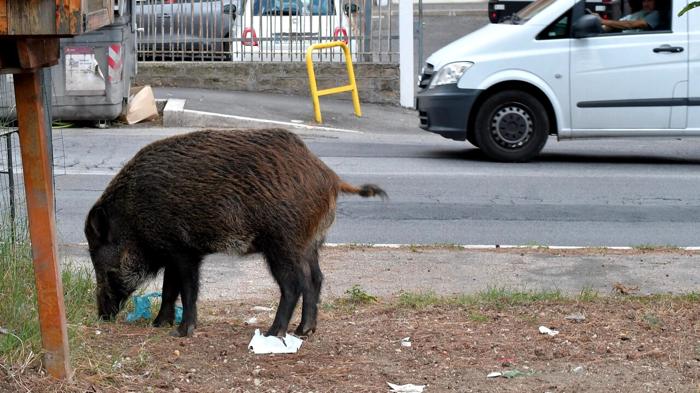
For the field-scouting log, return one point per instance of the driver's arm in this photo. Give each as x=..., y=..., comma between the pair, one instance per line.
x=624, y=24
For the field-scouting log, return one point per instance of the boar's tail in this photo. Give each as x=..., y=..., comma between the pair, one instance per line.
x=365, y=190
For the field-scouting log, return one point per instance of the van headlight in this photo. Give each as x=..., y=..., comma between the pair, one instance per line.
x=450, y=73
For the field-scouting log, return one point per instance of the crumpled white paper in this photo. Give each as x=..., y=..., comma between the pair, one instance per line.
x=546, y=330
x=410, y=388
x=260, y=344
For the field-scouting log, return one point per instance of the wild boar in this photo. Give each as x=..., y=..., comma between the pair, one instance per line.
x=188, y=196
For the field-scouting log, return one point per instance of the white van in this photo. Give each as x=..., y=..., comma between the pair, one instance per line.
x=283, y=29
x=553, y=70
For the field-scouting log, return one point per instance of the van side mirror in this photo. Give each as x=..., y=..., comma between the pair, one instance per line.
x=587, y=26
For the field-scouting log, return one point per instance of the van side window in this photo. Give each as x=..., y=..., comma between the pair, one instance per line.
x=640, y=16
x=560, y=28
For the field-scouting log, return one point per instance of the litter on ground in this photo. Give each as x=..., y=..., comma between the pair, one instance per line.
x=409, y=388
x=142, y=308
x=546, y=330
x=261, y=344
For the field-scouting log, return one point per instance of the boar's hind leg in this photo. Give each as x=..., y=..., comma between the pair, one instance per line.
x=171, y=290
x=187, y=268
x=288, y=274
x=313, y=279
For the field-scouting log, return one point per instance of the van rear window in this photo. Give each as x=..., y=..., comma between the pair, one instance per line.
x=293, y=7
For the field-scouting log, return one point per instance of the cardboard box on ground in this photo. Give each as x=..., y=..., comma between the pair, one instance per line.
x=142, y=105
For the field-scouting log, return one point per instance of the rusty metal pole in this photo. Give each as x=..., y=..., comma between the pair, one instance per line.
x=34, y=131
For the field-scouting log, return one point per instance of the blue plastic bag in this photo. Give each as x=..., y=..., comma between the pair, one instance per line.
x=142, y=308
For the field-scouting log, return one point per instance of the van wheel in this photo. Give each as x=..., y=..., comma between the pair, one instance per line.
x=511, y=126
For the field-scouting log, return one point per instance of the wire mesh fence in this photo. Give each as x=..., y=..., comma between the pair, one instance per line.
x=13, y=207
x=12, y=201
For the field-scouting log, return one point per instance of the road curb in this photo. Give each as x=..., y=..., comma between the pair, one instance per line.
x=478, y=247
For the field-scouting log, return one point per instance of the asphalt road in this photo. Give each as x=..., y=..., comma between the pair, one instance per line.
x=597, y=193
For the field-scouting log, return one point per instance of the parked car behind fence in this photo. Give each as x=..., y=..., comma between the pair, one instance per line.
x=282, y=30
x=186, y=29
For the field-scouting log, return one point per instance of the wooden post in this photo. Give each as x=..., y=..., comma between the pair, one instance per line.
x=34, y=131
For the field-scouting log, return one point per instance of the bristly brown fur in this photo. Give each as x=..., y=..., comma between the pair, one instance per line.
x=187, y=196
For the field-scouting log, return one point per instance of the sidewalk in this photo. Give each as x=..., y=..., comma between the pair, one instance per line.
x=216, y=108
x=385, y=271
x=445, y=270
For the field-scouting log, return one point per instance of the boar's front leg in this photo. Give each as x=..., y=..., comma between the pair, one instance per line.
x=171, y=290
x=188, y=274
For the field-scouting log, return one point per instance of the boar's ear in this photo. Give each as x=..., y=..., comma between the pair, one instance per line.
x=98, y=224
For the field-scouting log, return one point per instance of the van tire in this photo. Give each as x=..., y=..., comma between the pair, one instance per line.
x=511, y=126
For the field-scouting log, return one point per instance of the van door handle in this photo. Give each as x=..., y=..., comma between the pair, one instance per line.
x=668, y=48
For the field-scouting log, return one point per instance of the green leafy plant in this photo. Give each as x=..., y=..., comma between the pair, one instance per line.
x=356, y=295
x=689, y=7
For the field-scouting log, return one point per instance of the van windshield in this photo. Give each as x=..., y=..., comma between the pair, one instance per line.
x=293, y=7
x=530, y=11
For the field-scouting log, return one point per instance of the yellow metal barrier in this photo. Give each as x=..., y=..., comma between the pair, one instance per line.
x=315, y=93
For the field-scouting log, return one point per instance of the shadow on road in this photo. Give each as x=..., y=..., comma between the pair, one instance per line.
x=474, y=154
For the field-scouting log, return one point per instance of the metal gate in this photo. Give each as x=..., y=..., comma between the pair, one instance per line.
x=265, y=30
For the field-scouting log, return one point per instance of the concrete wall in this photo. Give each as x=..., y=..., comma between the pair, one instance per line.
x=377, y=83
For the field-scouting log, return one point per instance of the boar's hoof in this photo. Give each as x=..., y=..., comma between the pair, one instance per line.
x=276, y=332
x=160, y=322
x=304, y=332
x=183, y=331
x=108, y=317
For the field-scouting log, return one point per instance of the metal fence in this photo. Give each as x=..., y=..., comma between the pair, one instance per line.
x=12, y=202
x=265, y=30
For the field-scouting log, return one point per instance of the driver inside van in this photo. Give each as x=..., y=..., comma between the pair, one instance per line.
x=647, y=18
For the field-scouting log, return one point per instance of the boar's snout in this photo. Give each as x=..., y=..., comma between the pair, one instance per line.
x=108, y=304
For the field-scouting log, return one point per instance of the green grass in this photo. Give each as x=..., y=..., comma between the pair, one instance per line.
x=18, y=308
x=654, y=247
x=357, y=296
x=652, y=320
x=419, y=300
x=692, y=297
x=497, y=297
x=588, y=294
x=478, y=317
x=494, y=296
x=535, y=245
x=501, y=297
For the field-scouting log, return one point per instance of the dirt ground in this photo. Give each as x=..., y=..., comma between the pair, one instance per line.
x=622, y=345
